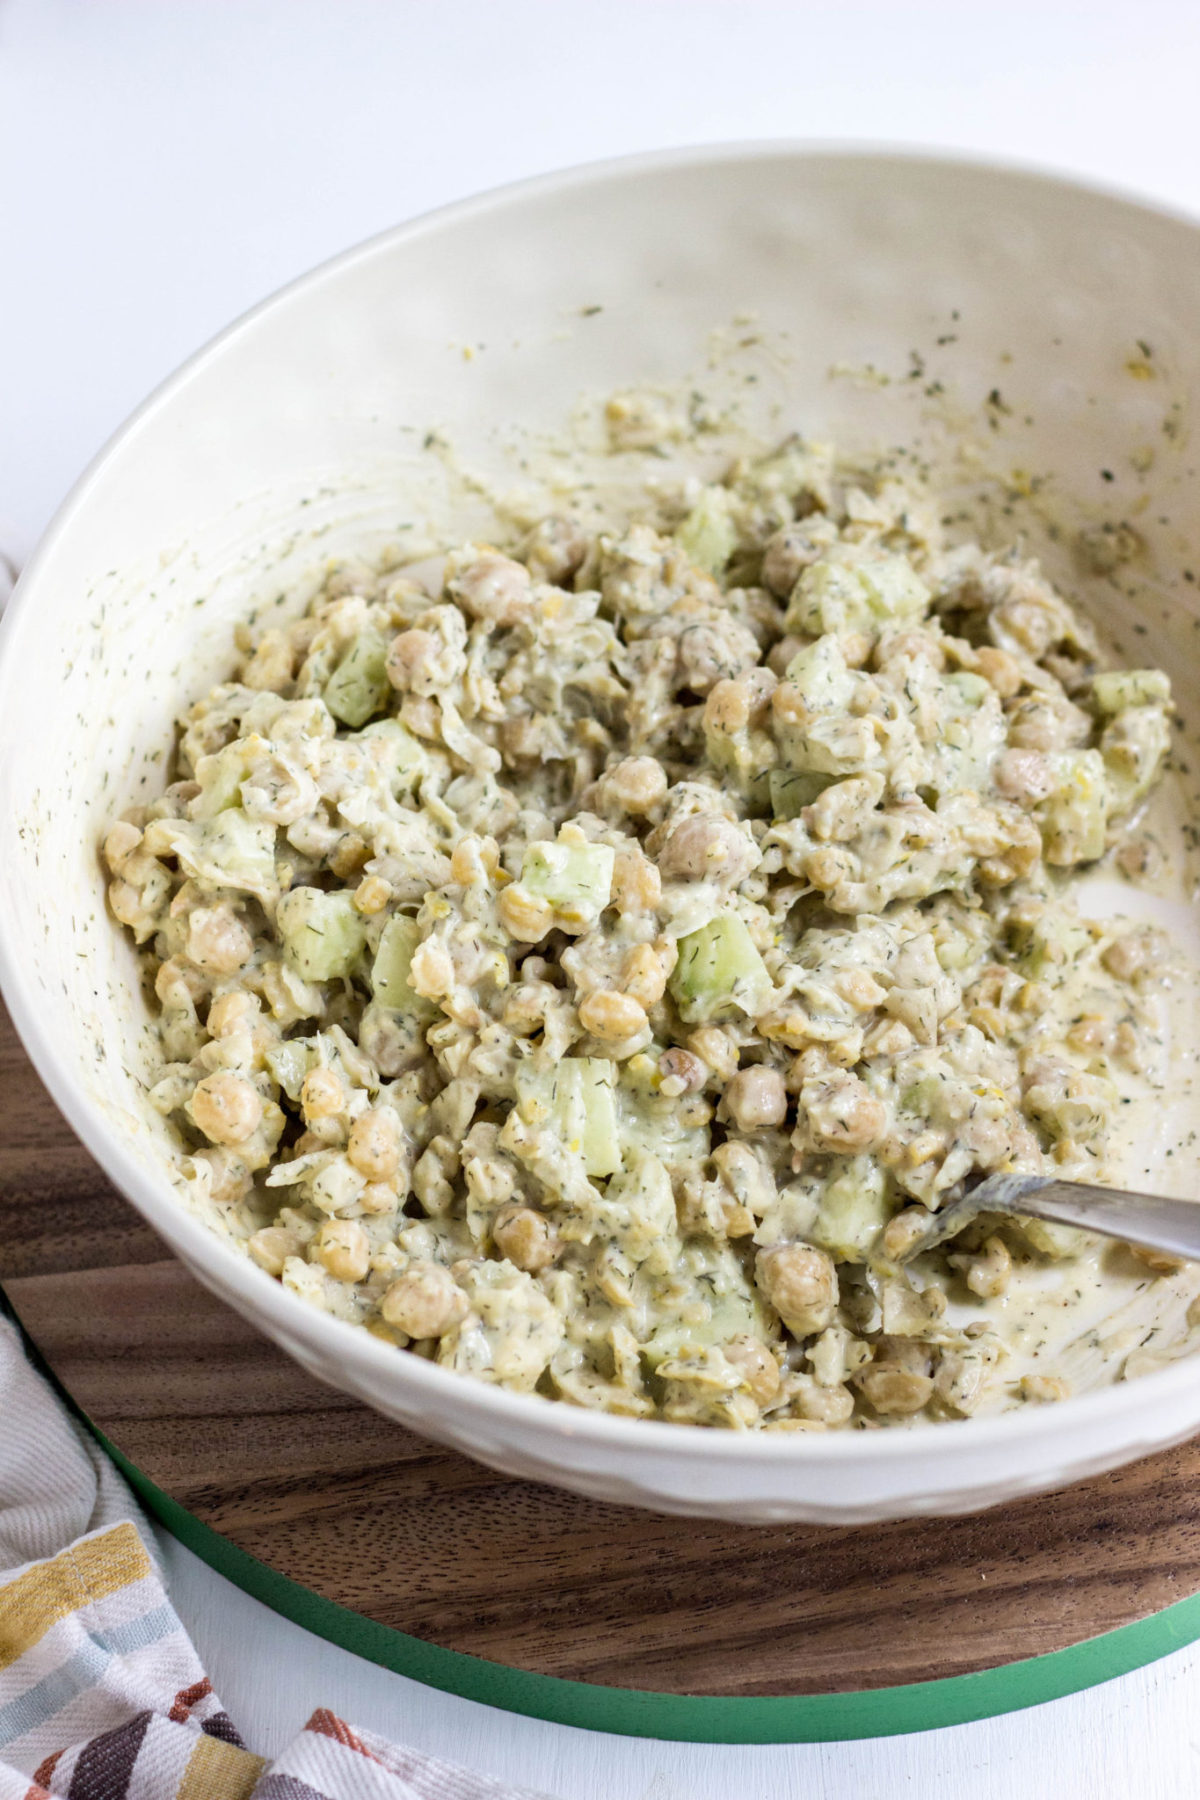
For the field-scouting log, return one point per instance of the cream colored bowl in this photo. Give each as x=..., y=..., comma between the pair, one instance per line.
x=854, y=295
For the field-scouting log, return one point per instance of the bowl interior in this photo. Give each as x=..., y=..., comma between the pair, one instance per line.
x=994, y=323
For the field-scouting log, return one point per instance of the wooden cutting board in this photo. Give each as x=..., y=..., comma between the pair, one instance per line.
x=421, y=1540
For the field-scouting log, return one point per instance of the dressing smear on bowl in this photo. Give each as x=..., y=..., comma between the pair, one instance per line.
x=586, y=962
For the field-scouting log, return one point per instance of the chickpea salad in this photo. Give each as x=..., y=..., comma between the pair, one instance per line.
x=588, y=963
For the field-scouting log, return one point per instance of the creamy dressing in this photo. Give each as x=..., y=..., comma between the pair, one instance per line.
x=587, y=964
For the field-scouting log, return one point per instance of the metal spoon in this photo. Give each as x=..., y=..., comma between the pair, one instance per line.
x=1170, y=1225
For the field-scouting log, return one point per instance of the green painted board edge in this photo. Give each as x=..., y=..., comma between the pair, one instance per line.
x=632, y=1712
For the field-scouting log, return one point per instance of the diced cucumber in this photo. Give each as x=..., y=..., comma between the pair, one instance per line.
x=1074, y=1107
x=1134, y=746
x=389, y=972
x=1116, y=689
x=576, y=1099
x=708, y=535
x=840, y=597
x=791, y=1212
x=853, y=1211
x=971, y=690
x=1073, y=819
x=399, y=752
x=221, y=777
x=323, y=935
x=359, y=685
x=794, y=789
x=822, y=735
x=290, y=1062
x=229, y=850
x=718, y=971
x=638, y=1210
x=576, y=878
x=731, y=1315
x=1053, y=939
x=655, y=1125
x=820, y=672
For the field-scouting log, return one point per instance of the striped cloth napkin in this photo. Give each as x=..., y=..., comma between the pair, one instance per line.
x=102, y=1696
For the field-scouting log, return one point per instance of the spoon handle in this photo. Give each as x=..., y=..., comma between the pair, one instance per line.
x=1170, y=1225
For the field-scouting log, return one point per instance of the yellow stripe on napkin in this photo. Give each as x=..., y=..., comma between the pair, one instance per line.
x=219, y=1771
x=52, y=1591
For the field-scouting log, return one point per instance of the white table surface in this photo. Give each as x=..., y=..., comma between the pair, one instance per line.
x=166, y=163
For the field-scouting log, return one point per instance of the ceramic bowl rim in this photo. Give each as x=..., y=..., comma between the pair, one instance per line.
x=338, y=1343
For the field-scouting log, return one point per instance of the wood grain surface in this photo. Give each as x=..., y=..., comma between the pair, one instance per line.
x=421, y=1539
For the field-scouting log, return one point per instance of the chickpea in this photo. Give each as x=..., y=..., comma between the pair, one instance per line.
x=1047, y=722
x=758, y=1367
x=903, y=1231
x=526, y=1238
x=121, y=843
x=322, y=1095
x=425, y=1301
x=716, y=1048
x=801, y=1284
x=554, y=550
x=272, y=1246
x=1159, y=1262
x=782, y=654
x=790, y=552
x=636, y=785
x=612, y=1017
x=1134, y=954
x=1091, y=1034
x=989, y=1273
x=827, y=869
x=1141, y=859
x=1001, y=670
x=272, y=664
x=887, y=1037
x=344, y=1249
x=374, y=1144
x=526, y=917
x=1044, y=1388
x=493, y=587
x=411, y=658
x=1020, y=856
x=372, y=895
x=859, y=990
x=230, y=1013
x=421, y=716
x=643, y=976
x=227, y=1108
x=681, y=1073
x=178, y=982
x=490, y=1177
x=825, y=1405
x=229, y=1178
x=218, y=940
x=431, y=971
x=129, y=907
x=1031, y=623
x=700, y=848
x=637, y=885
x=727, y=708
x=895, y=1390
x=843, y=1114
x=466, y=862
x=378, y=1198
x=1024, y=776
x=756, y=1097
x=927, y=1145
